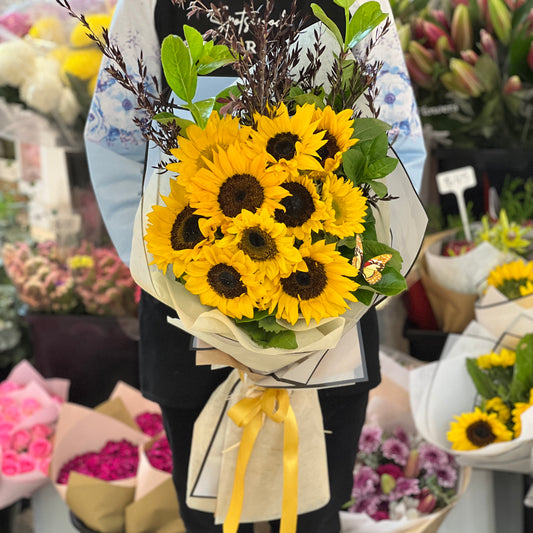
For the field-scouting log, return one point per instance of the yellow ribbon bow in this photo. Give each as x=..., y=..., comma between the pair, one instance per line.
x=249, y=414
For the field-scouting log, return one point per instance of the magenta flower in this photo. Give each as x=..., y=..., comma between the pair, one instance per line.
x=368, y=505
x=390, y=468
x=380, y=515
x=370, y=439
x=160, y=455
x=395, y=450
x=446, y=476
x=150, y=423
x=405, y=487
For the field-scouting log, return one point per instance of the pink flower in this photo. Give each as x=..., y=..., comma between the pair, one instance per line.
x=380, y=515
x=40, y=448
x=41, y=431
x=368, y=505
x=10, y=466
x=20, y=440
x=401, y=434
x=6, y=427
x=8, y=386
x=365, y=481
x=370, y=439
x=160, y=455
x=446, y=476
x=396, y=451
x=150, y=423
x=431, y=457
x=27, y=463
x=5, y=440
x=405, y=487
x=44, y=465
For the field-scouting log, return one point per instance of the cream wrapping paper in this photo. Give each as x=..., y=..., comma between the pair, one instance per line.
x=215, y=448
x=388, y=407
x=443, y=389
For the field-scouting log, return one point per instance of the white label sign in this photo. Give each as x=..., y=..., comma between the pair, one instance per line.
x=457, y=180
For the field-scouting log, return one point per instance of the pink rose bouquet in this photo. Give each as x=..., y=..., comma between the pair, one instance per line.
x=29, y=408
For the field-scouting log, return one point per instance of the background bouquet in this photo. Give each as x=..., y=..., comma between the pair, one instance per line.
x=29, y=408
x=85, y=279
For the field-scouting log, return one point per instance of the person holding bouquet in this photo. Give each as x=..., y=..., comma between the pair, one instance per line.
x=118, y=155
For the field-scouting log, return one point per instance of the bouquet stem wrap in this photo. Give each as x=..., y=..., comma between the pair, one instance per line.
x=249, y=413
x=251, y=445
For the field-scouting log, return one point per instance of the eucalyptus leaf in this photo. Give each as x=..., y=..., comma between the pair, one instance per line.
x=178, y=67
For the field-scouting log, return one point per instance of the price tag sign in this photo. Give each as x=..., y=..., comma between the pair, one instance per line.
x=456, y=182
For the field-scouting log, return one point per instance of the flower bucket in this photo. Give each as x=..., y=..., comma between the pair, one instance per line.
x=93, y=352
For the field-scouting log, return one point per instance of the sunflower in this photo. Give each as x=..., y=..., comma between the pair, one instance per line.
x=476, y=430
x=225, y=279
x=510, y=277
x=234, y=182
x=527, y=289
x=199, y=144
x=347, y=204
x=173, y=235
x=265, y=242
x=338, y=131
x=302, y=209
x=505, y=358
x=289, y=140
x=320, y=290
x=498, y=406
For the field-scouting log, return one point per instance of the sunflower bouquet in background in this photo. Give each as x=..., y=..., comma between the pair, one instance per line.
x=508, y=295
x=273, y=234
x=504, y=382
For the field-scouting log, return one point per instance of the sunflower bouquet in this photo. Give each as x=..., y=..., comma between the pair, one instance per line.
x=508, y=295
x=484, y=417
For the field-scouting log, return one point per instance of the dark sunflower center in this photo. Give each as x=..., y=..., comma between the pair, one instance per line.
x=306, y=285
x=299, y=205
x=282, y=145
x=185, y=233
x=480, y=433
x=225, y=281
x=241, y=191
x=258, y=244
x=330, y=148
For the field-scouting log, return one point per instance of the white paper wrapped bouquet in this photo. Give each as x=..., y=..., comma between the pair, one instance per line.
x=274, y=215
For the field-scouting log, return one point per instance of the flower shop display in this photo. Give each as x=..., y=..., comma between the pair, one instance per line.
x=29, y=409
x=402, y=483
x=81, y=311
x=274, y=228
x=484, y=418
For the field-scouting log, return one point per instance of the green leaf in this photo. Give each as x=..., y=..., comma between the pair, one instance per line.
x=224, y=95
x=285, y=339
x=373, y=248
x=523, y=370
x=270, y=324
x=369, y=128
x=483, y=383
x=367, y=17
x=391, y=282
x=382, y=168
x=332, y=27
x=379, y=188
x=364, y=296
x=344, y=3
x=379, y=147
x=195, y=41
x=201, y=110
x=178, y=67
x=353, y=163
x=302, y=99
x=167, y=118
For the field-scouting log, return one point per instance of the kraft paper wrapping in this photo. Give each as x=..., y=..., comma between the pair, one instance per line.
x=99, y=504
x=388, y=407
x=215, y=448
x=133, y=399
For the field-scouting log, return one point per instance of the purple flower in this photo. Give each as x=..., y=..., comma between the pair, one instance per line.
x=405, y=487
x=368, y=505
x=370, y=439
x=365, y=481
x=402, y=435
x=431, y=457
x=395, y=450
x=446, y=476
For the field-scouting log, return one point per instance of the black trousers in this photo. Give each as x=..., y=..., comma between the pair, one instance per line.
x=343, y=418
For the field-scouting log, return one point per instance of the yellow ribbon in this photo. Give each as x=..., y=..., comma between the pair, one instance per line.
x=249, y=414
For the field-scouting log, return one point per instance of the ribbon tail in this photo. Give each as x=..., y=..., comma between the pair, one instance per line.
x=289, y=508
x=249, y=435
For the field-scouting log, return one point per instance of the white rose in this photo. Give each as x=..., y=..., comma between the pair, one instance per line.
x=42, y=92
x=17, y=62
